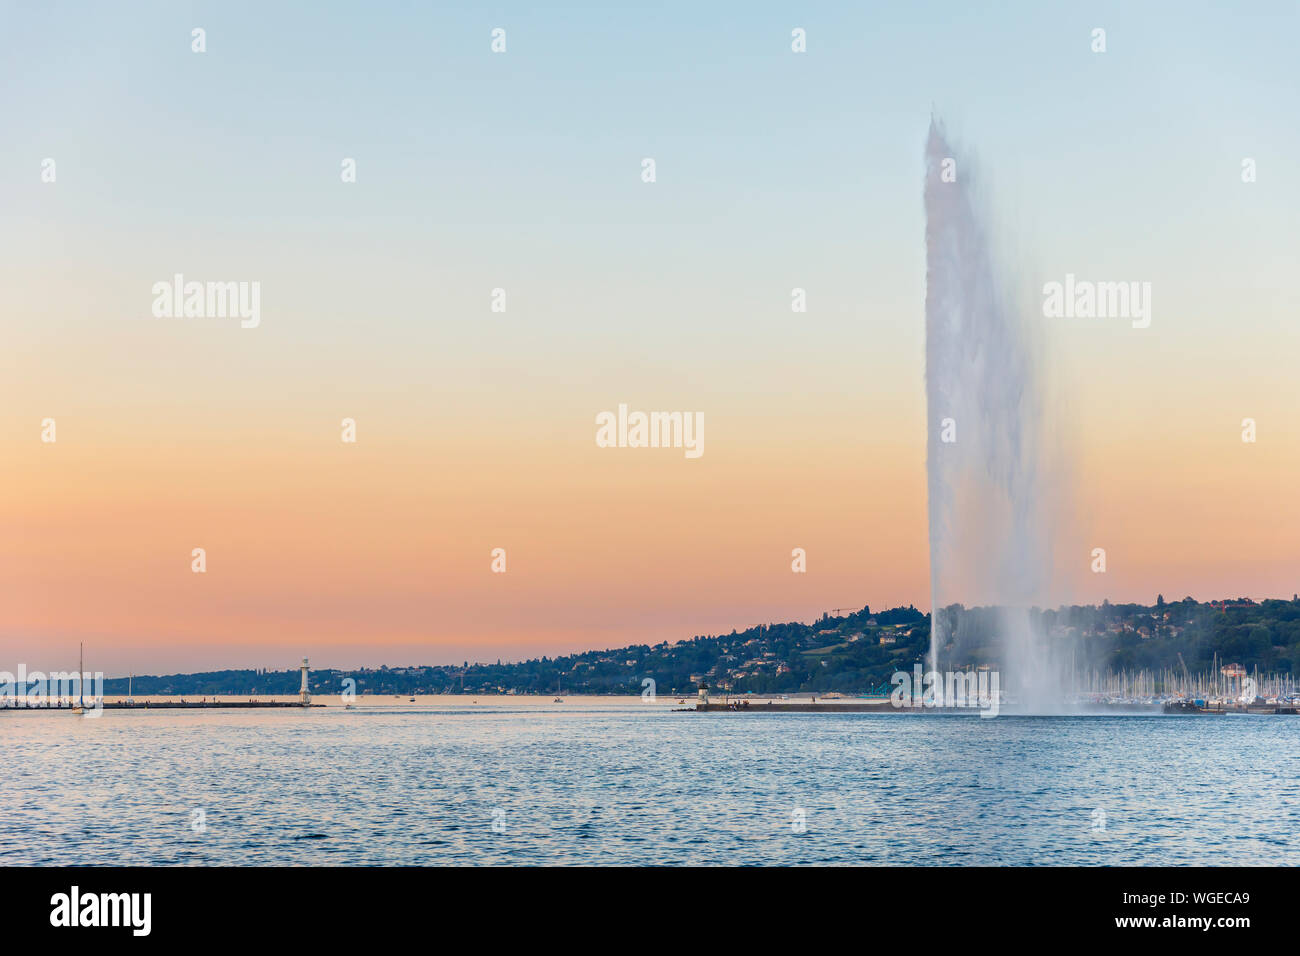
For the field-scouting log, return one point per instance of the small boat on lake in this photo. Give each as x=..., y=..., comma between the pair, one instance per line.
x=81, y=680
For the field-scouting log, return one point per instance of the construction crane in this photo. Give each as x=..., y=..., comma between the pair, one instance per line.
x=847, y=610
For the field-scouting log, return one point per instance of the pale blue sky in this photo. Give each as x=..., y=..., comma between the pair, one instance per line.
x=775, y=170
x=744, y=131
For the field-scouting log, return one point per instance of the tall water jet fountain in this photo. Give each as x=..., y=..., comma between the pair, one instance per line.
x=989, y=473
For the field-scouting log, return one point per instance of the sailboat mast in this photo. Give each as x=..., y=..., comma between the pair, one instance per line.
x=81, y=674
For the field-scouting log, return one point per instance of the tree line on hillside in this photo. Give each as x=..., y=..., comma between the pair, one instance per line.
x=855, y=653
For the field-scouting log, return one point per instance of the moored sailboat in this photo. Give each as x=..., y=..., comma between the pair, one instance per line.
x=81, y=680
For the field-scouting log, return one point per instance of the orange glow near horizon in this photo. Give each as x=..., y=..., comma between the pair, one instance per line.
x=379, y=552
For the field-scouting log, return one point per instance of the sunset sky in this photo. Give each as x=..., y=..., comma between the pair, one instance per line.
x=522, y=171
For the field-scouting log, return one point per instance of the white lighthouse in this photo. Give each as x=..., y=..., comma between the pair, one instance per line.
x=304, y=697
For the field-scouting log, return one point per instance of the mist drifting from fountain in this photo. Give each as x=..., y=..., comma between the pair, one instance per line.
x=989, y=489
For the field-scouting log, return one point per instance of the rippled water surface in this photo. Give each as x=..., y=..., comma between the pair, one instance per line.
x=443, y=780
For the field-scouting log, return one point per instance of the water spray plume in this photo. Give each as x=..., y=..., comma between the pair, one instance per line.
x=988, y=473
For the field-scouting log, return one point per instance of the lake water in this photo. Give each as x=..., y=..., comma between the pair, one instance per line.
x=620, y=781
